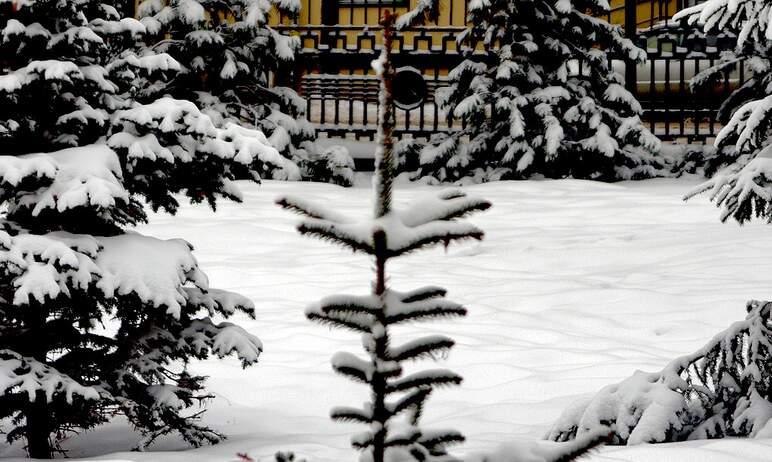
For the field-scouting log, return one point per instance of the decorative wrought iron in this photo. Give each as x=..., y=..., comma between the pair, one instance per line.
x=333, y=72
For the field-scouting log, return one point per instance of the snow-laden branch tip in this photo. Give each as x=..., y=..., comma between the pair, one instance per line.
x=426, y=223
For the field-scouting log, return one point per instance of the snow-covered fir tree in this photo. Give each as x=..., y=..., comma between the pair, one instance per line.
x=97, y=321
x=744, y=189
x=397, y=399
x=544, y=100
x=231, y=62
x=723, y=389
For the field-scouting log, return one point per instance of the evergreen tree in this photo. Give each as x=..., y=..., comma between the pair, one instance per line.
x=745, y=188
x=543, y=100
x=723, y=389
x=397, y=400
x=95, y=320
x=230, y=55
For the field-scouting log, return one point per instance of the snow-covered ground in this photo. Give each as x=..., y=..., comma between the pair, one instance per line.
x=576, y=285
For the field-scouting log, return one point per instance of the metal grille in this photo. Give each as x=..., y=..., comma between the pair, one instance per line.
x=333, y=69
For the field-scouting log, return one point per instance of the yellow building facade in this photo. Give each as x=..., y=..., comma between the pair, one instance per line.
x=452, y=12
x=352, y=24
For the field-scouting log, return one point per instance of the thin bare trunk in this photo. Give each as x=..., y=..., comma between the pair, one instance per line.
x=384, y=159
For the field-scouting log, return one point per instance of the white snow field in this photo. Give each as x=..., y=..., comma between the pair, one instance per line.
x=576, y=286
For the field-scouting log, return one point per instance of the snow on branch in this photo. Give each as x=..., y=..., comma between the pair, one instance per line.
x=447, y=205
x=180, y=120
x=425, y=10
x=748, y=125
x=223, y=339
x=44, y=267
x=426, y=223
x=154, y=270
x=742, y=191
x=148, y=63
x=21, y=374
x=310, y=209
x=171, y=147
x=88, y=176
x=218, y=301
x=50, y=70
x=750, y=17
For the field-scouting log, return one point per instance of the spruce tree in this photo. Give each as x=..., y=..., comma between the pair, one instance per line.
x=724, y=389
x=232, y=60
x=543, y=100
x=96, y=320
x=744, y=189
x=397, y=399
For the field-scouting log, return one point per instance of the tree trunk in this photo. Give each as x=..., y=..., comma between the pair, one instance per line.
x=38, y=428
x=384, y=156
x=380, y=414
x=384, y=177
x=38, y=421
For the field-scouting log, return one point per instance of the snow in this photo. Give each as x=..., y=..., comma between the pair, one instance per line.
x=153, y=269
x=285, y=45
x=231, y=142
x=23, y=374
x=755, y=413
x=340, y=163
x=576, y=285
x=564, y=6
x=125, y=25
x=643, y=408
x=191, y=11
x=149, y=7
x=83, y=176
x=150, y=63
x=618, y=93
x=226, y=338
x=48, y=70
x=204, y=37
x=141, y=147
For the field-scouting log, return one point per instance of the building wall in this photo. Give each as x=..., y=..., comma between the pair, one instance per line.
x=352, y=19
x=453, y=12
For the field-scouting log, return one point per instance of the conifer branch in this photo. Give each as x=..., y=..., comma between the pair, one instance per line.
x=423, y=293
x=350, y=414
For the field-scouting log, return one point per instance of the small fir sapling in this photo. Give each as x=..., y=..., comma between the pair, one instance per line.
x=397, y=400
